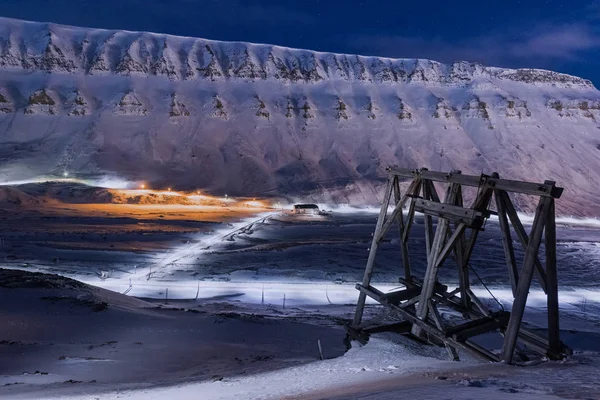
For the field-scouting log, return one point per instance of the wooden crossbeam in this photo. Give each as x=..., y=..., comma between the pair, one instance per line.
x=403, y=295
x=538, y=189
x=484, y=353
x=554, y=353
x=471, y=218
x=476, y=327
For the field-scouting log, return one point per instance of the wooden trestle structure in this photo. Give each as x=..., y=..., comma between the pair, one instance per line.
x=414, y=309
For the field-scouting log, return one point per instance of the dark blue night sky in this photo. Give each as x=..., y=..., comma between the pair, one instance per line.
x=551, y=34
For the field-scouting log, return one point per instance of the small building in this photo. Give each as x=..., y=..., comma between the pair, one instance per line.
x=311, y=209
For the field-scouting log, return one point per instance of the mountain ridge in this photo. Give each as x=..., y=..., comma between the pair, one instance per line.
x=94, y=57
x=244, y=119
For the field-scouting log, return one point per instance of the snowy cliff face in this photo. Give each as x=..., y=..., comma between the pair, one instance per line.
x=243, y=118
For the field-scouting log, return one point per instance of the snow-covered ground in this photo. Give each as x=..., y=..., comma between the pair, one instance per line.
x=235, y=311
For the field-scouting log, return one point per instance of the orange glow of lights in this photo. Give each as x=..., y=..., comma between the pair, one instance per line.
x=254, y=203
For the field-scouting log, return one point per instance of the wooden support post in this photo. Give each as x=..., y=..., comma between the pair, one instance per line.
x=552, y=281
x=360, y=305
x=402, y=230
x=480, y=203
x=463, y=274
x=518, y=309
x=522, y=235
x=433, y=193
x=431, y=272
x=509, y=252
x=427, y=194
x=461, y=262
x=411, y=213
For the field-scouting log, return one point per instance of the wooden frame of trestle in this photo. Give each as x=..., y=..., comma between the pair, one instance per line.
x=455, y=236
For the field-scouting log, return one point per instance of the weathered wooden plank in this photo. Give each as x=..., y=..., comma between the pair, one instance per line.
x=483, y=352
x=428, y=194
x=459, y=250
x=481, y=202
x=402, y=295
x=410, y=218
x=367, y=289
x=437, y=319
x=409, y=303
x=478, y=303
x=433, y=192
x=479, y=326
x=523, y=238
x=467, y=216
x=391, y=298
x=518, y=308
x=360, y=305
x=538, y=189
x=532, y=337
x=552, y=281
x=509, y=251
x=402, y=230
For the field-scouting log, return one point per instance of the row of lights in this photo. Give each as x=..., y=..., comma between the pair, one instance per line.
x=143, y=186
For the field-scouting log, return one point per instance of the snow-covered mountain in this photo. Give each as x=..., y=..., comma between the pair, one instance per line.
x=254, y=119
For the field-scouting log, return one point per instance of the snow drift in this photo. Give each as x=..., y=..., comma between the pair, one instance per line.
x=252, y=119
